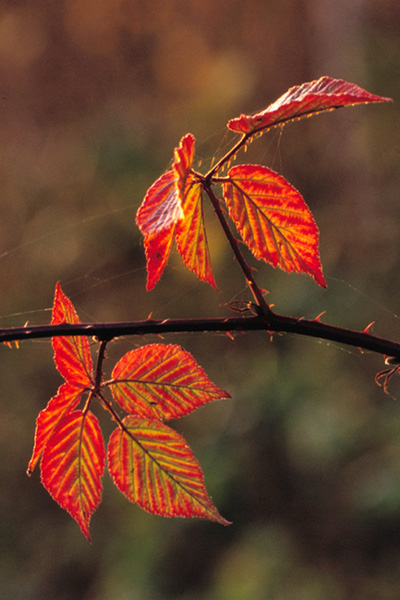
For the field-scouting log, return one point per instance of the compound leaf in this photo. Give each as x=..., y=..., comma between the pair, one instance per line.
x=303, y=101
x=273, y=219
x=173, y=209
x=73, y=464
x=153, y=467
x=161, y=381
x=71, y=354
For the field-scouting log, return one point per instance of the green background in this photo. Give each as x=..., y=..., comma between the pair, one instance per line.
x=305, y=458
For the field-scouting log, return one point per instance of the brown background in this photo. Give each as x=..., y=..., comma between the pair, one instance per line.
x=305, y=459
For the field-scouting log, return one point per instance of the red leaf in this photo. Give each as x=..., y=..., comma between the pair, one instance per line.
x=173, y=208
x=161, y=207
x=162, y=382
x=73, y=464
x=304, y=100
x=182, y=166
x=273, y=219
x=157, y=247
x=153, y=467
x=71, y=354
x=190, y=234
x=63, y=403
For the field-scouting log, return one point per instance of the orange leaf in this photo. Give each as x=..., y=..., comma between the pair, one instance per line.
x=173, y=208
x=161, y=207
x=157, y=247
x=303, y=101
x=71, y=354
x=273, y=219
x=63, y=403
x=162, y=382
x=182, y=166
x=73, y=464
x=190, y=234
x=153, y=467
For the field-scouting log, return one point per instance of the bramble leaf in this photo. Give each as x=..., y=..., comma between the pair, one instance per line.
x=190, y=235
x=161, y=381
x=161, y=207
x=73, y=464
x=303, y=101
x=273, y=219
x=173, y=209
x=71, y=354
x=153, y=467
x=182, y=166
x=157, y=248
x=63, y=403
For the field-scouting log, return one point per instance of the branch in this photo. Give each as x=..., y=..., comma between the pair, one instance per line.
x=251, y=282
x=278, y=323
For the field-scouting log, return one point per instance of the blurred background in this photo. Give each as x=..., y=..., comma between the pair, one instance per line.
x=305, y=458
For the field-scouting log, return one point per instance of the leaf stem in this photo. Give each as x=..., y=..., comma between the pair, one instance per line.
x=251, y=282
x=226, y=158
x=99, y=366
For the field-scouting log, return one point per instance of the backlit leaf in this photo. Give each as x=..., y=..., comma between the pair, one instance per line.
x=157, y=248
x=162, y=382
x=71, y=354
x=182, y=166
x=173, y=209
x=64, y=402
x=73, y=464
x=153, y=467
x=190, y=235
x=161, y=207
x=273, y=219
x=303, y=101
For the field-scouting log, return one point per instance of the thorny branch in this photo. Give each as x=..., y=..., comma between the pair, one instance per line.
x=276, y=323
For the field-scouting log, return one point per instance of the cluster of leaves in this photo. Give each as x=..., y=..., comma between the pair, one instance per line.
x=270, y=215
x=149, y=462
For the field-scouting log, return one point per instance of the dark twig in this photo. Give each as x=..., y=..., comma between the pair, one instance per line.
x=279, y=323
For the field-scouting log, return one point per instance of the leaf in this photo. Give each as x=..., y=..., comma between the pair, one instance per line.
x=173, y=209
x=190, y=235
x=153, y=467
x=71, y=354
x=157, y=247
x=182, y=166
x=73, y=464
x=161, y=207
x=63, y=403
x=273, y=219
x=162, y=382
x=303, y=101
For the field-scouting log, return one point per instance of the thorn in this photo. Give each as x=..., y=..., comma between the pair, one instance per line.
x=392, y=360
x=149, y=318
x=228, y=333
x=368, y=328
x=318, y=317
